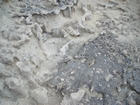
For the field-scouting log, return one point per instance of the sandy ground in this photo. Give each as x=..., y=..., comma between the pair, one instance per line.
x=69, y=52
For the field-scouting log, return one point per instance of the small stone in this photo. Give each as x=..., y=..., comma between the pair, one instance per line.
x=108, y=77
x=62, y=79
x=118, y=89
x=123, y=95
x=76, y=56
x=73, y=72
x=92, y=62
x=83, y=60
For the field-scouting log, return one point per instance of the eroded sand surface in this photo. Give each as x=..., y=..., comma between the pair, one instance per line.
x=69, y=52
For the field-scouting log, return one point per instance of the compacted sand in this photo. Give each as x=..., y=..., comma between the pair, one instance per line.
x=69, y=52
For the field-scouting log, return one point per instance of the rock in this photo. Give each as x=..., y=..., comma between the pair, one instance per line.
x=92, y=62
x=83, y=60
x=5, y=73
x=40, y=96
x=67, y=13
x=73, y=32
x=17, y=85
x=108, y=77
x=36, y=60
x=24, y=69
x=55, y=32
x=8, y=58
x=65, y=48
x=2, y=66
x=123, y=95
x=28, y=20
x=78, y=95
x=69, y=101
x=1, y=88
